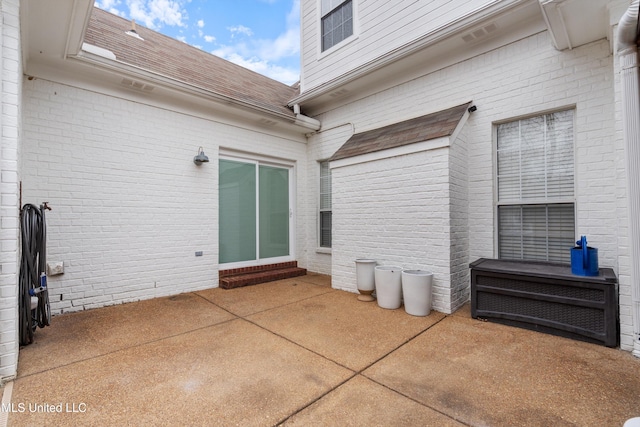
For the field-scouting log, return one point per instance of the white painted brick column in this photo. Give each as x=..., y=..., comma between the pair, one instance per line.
x=10, y=119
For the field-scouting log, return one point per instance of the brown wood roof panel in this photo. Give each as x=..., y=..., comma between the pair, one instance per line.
x=172, y=58
x=419, y=129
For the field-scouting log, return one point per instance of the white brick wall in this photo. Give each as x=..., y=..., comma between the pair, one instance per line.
x=130, y=209
x=520, y=79
x=396, y=211
x=459, y=219
x=10, y=117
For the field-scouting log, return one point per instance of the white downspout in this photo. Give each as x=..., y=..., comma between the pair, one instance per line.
x=627, y=51
x=302, y=120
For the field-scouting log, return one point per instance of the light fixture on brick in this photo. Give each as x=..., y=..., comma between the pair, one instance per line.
x=200, y=158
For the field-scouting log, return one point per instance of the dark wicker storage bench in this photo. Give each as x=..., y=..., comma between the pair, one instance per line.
x=546, y=297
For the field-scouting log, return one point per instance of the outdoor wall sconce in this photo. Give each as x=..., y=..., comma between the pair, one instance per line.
x=200, y=158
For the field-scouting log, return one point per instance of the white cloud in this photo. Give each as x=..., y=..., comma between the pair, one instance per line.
x=276, y=72
x=200, y=23
x=156, y=13
x=209, y=39
x=293, y=17
x=240, y=29
x=285, y=45
x=110, y=6
x=266, y=56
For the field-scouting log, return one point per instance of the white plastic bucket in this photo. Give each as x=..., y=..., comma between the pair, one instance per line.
x=365, y=274
x=416, y=289
x=389, y=286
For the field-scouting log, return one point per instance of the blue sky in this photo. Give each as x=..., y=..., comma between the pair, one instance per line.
x=262, y=35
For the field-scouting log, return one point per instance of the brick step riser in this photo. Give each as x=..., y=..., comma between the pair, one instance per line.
x=255, y=278
x=257, y=269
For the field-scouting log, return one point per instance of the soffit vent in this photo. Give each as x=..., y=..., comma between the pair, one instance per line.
x=267, y=122
x=339, y=93
x=137, y=85
x=479, y=33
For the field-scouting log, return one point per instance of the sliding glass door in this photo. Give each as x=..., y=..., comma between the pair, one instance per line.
x=254, y=213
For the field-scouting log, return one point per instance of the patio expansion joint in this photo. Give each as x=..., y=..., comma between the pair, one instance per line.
x=418, y=402
x=266, y=309
x=297, y=344
x=360, y=372
x=246, y=319
x=402, y=394
x=97, y=356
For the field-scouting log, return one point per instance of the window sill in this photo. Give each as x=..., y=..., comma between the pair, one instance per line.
x=323, y=251
x=336, y=47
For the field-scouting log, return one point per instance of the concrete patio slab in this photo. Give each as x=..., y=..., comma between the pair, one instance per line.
x=234, y=373
x=255, y=299
x=488, y=374
x=362, y=402
x=76, y=336
x=306, y=354
x=336, y=325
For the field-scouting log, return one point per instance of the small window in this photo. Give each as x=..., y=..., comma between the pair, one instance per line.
x=535, y=177
x=337, y=22
x=325, y=205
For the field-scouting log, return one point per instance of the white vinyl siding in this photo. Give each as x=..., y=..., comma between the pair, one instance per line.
x=535, y=176
x=379, y=26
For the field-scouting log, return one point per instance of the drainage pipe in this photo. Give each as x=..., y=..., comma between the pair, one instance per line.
x=627, y=51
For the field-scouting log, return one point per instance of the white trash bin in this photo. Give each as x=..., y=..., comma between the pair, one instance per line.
x=389, y=286
x=416, y=289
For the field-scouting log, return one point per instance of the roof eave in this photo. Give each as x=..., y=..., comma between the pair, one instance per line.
x=434, y=37
x=113, y=65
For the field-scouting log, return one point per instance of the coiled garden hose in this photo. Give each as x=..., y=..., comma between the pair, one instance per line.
x=32, y=277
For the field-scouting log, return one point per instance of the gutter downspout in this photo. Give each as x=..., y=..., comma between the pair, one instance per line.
x=627, y=51
x=305, y=121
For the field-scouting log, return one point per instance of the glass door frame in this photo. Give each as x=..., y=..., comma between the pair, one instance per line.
x=258, y=160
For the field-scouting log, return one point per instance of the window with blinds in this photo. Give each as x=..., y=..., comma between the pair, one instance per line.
x=535, y=179
x=337, y=22
x=325, y=205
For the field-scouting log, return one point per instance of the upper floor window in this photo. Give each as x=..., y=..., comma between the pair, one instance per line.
x=535, y=177
x=337, y=22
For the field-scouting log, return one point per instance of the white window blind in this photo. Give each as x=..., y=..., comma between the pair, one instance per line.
x=535, y=175
x=325, y=205
x=336, y=22
x=329, y=5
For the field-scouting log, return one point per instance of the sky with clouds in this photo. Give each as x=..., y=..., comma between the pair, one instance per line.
x=262, y=35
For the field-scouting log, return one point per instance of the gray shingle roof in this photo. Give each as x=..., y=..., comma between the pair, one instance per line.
x=171, y=58
x=423, y=128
